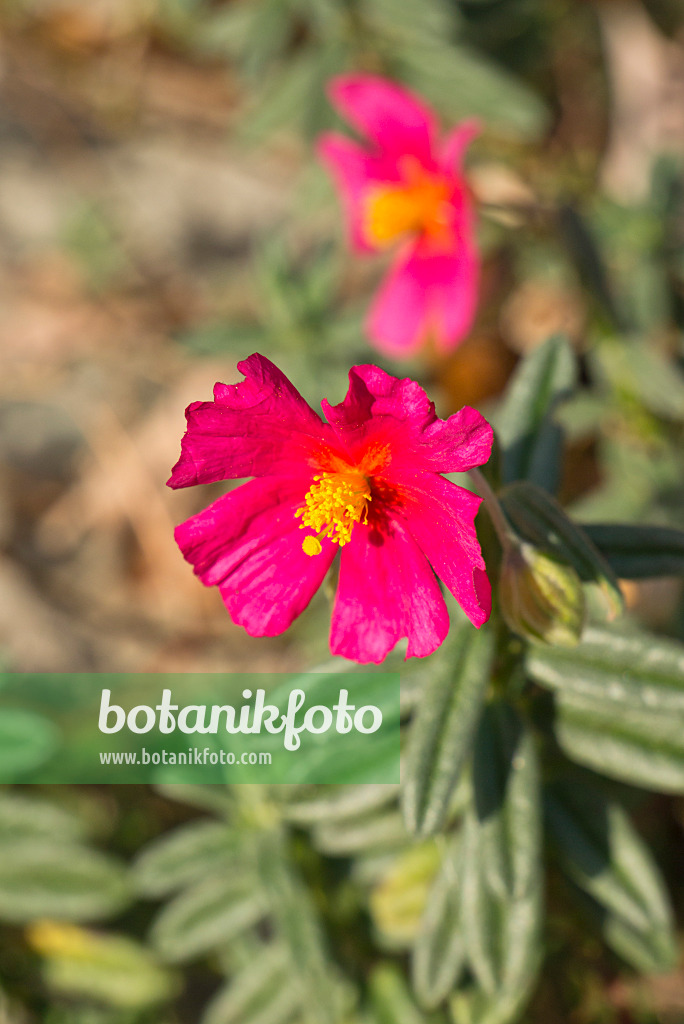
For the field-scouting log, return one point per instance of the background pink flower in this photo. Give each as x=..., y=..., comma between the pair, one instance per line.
x=406, y=189
x=367, y=482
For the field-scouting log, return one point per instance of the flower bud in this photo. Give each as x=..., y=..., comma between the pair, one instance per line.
x=541, y=597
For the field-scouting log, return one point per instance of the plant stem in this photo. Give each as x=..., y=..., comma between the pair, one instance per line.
x=503, y=530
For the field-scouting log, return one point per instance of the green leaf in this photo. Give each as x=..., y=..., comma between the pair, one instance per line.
x=638, y=371
x=400, y=892
x=391, y=998
x=647, y=953
x=207, y=916
x=603, y=854
x=27, y=740
x=538, y=518
x=639, y=552
x=59, y=881
x=375, y=831
x=438, y=953
x=639, y=746
x=111, y=969
x=32, y=818
x=502, y=922
x=506, y=791
x=259, y=993
x=531, y=441
x=337, y=803
x=443, y=729
x=616, y=670
x=269, y=33
x=184, y=856
x=589, y=261
x=427, y=22
x=465, y=83
x=297, y=926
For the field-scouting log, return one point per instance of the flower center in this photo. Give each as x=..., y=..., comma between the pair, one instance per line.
x=333, y=503
x=417, y=204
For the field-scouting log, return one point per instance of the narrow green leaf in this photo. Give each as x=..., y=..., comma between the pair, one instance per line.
x=438, y=953
x=529, y=437
x=184, y=856
x=207, y=916
x=106, y=968
x=616, y=669
x=298, y=928
x=250, y=994
x=32, y=818
x=649, y=953
x=60, y=881
x=635, y=369
x=412, y=22
x=602, y=853
x=502, y=943
x=469, y=84
x=443, y=729
x=373, y=832
x=280, y=1007
x=589, y=261
x=337, y=803
x=639, y=746
x=268, y=36
x=538, y=518
x=506, y=790
x=501, y=911
x=391, y=998
x=639, y=552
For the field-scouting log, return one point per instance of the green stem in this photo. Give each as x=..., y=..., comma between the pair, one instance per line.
x=499, y=522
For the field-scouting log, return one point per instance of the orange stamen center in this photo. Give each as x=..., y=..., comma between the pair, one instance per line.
x=418, y=205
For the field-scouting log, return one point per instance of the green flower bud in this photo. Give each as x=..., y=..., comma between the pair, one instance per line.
x=541, y=596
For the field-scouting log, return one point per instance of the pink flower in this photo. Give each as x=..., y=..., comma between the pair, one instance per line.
x=407, y=189
x=367, y=482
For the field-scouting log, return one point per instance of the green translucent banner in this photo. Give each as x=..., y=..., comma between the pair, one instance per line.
x=325, y=727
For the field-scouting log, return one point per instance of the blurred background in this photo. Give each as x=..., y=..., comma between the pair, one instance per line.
x=162, y=216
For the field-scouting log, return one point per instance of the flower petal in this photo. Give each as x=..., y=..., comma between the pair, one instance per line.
x=249, y=544
x=380, y=410
x=455, y=144
x=440, y=517
x=386, y=591
x=399, y=317
x=260, y=426
x=390, y=116
x=353, y=171
x=428, y=292
x=452, y=278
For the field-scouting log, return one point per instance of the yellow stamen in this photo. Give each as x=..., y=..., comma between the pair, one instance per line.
x=333, y=504
x=311, y=545
x=417, y=204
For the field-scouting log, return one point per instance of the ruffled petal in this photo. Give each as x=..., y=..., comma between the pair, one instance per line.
x=354, y=171
x=441, y=518
x=386, y=591
x=381, y=412
x=249, y=544
x=455, y=144
x=391, y=117
x=257, y=427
